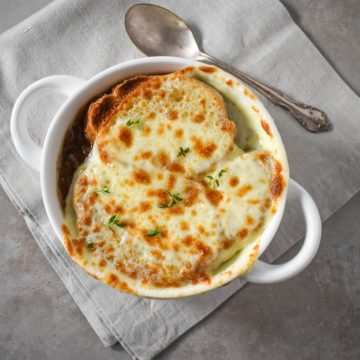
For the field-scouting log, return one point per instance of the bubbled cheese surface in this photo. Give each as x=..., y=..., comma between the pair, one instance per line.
x=168, y=113
x=166, y=197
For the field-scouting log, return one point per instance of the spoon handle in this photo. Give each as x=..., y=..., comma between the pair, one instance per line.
x=310, y=118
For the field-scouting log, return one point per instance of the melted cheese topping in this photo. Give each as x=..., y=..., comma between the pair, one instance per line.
x=141, y=215
x=167, y=114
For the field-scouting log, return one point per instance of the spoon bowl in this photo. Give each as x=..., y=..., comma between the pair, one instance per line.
x=157, y=31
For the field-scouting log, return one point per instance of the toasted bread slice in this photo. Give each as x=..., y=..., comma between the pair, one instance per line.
x=170, y=121
x=102, y=108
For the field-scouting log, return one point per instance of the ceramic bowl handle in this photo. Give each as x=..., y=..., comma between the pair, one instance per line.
x=264, y=273
x=29, y=151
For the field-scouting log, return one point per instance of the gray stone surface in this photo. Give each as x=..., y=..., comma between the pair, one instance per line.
x=314, y=316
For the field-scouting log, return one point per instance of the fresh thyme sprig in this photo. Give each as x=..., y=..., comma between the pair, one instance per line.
x=113, y=220
x=154, y=232
x=137, y=123
x=215, y=182
x=174, y=199
x=104, y=189
x=183, y=152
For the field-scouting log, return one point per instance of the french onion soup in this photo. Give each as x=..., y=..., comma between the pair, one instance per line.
x=166, y=179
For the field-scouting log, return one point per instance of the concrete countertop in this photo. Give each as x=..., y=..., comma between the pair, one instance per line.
x=314, y=316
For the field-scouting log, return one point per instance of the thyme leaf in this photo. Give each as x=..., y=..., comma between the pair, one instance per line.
x=113, y=220
x=215, y=182
x=137, y=123
x=104, y=189
x=153, y=232
x=220, y=174
x=174, y=198
x=183, y=152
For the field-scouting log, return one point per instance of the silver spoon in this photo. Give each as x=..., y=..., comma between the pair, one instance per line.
x=157, y=31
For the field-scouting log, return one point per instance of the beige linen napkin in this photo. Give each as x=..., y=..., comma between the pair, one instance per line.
x=84, y=37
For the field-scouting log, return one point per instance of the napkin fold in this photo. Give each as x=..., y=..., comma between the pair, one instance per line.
x=83, y=37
